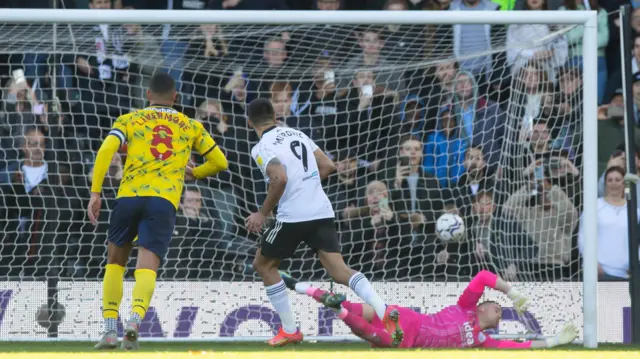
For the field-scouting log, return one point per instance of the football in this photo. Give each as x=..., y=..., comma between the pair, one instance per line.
x=450, y=227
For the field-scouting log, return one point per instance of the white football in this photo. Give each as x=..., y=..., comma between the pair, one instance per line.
x=450, y=227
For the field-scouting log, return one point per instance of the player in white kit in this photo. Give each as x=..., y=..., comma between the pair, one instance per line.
x=294, y=167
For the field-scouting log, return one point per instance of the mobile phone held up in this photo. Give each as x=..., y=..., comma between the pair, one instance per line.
x=403, y=160
x=18, y=76
x=367, y=91
x=329, y=77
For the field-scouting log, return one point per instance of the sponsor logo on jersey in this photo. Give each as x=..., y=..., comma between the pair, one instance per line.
x=312, y=175
x=468, y=333
x=259, y=161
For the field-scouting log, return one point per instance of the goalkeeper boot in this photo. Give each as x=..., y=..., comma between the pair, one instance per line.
x=390, y=321
x=109, y=340
x=130, y=340
x=288, y=280
x=333, y=301
x=282, y=338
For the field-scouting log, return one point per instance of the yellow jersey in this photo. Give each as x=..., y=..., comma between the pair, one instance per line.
x=159, y=143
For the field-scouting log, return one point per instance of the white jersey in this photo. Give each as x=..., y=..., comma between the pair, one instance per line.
x=303, y=198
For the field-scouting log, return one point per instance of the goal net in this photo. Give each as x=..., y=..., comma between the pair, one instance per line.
x=480, y=120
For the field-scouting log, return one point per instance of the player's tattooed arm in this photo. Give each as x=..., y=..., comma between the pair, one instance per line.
x=277, y=175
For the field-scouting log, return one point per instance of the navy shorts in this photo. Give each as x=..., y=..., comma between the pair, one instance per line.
x=152, y=219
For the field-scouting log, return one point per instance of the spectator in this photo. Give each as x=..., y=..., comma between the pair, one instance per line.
x=550, y=56
x=532, y=85
x=413, y=121
x=143, y=38
x=476, y=178
x=470, y=40
x=275, y=53
x=614, y=82
x=534, y=156
x=331, y=40
x=498, y=241
x=636, y=98
x=33, y=168
x=369, y=116
x=481, y=119
x=271, y=69
x=206, y=56
x=569, y=106
x=320, y=100
x=388, y=81
x=574, y=39
x=236, y=94
x=415, y=193
x=635, y=61
x=613, y=229
x=549, y=219
x=444, y=150
x=387, y=240
x=480, y=221
x=564, y=174
x=346, y=190
x=219, y=195
x=566, y=125
x=618, y=159
x=435, y=87
x=281, y=97
x=401, y=44
x=21, y=110
x=27, y=246
x=192, y=253
x=103, y=79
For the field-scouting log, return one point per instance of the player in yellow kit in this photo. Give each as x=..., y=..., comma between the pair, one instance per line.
x=159, y=143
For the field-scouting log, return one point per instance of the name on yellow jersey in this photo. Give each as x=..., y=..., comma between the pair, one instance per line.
x=162, y=115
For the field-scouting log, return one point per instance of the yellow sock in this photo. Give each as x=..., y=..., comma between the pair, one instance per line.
x=112, y=290
x=143, y=291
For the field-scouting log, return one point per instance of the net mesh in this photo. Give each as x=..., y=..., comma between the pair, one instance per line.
x=478, y=120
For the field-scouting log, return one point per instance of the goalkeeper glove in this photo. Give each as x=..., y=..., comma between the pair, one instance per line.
x=520, y=302
x=568, y=333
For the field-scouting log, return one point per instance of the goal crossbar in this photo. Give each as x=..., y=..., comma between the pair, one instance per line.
x=188, y=17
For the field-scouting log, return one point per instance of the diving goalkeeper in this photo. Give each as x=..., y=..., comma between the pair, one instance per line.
x=458, y=326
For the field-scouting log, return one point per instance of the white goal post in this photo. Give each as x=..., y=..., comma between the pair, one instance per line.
x=589, y=95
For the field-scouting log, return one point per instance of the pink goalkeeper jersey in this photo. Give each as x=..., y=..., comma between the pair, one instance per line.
x=456, y=326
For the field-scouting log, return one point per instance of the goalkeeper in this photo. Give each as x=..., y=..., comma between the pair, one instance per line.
x=458, y=326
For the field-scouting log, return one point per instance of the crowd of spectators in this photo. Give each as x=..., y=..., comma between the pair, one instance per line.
x=420, y=121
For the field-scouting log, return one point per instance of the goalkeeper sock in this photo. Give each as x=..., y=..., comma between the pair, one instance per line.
x=363, y=288
x=111, y=295
x=363, y=329
x=142, y=293
x=279, y=298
